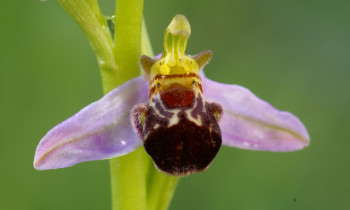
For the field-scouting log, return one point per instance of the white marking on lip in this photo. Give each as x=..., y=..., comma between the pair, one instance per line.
x=197, y=121
x=174, y=119
x=153, y=105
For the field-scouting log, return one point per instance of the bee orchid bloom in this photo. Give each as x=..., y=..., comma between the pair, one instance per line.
x=178, y=114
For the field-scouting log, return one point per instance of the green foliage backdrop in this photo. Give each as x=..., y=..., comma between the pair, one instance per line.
x=294, y=54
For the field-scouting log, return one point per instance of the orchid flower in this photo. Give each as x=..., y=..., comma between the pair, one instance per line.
x=178, y=114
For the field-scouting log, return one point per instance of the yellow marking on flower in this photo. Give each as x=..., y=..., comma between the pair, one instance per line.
x=174, y=60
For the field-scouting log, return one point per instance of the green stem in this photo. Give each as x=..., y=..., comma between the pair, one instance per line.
x=127, y=36
x=146, y=47
x=88, y=16
x=128, y=173
x=128, y=181
x=160, y=191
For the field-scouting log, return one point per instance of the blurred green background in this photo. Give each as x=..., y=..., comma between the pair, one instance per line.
x=294, y=54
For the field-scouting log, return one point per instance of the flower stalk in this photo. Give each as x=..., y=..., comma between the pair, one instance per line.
x=127, y=39
x=128, y=173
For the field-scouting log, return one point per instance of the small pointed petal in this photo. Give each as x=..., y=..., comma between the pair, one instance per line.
x=99, y=131
x=251, y=123
x=146, y=63
x=203, y=58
